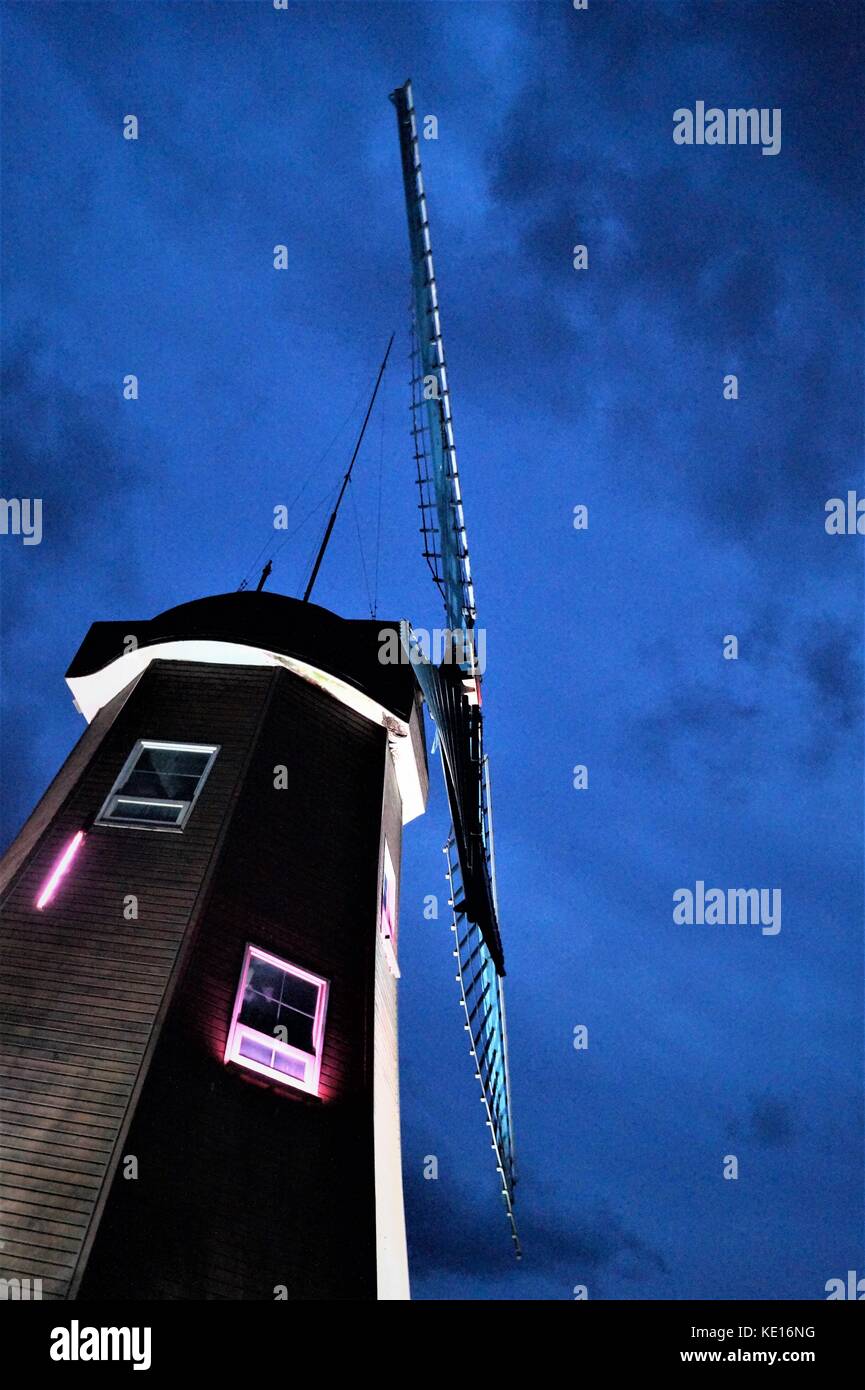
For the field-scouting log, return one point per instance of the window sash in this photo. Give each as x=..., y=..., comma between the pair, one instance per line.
x=277, y=1048
x=240, y=1032
x=111, y=812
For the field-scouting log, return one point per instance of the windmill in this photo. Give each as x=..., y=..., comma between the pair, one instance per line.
x=199, y=926
x=453, y=688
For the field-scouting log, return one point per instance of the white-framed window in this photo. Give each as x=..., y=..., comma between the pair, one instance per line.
x=277, y=1028
x=158, y=785
x=387, y=916
x=388, y=898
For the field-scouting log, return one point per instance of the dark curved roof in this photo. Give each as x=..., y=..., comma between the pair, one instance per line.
x=344, y=647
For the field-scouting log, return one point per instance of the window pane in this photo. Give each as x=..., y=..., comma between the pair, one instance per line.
x=296, y=1029
x=256, y=1051
x=265, y=978
x=300, y=994
x=172, y=773
x=292, y=1066
x=145, y=811
x=280, y=1004
x=259, y=1013
x=160, y=785
x=260, y=1009
x=185, y=761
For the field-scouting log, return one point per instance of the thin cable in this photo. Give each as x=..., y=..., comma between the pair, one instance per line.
x=378, y=520
x=329, y=529
x=360, y=547
x=325, y=501
x=324, y=504
x=312, y=473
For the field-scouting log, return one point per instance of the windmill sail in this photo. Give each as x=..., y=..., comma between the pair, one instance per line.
x=452, y=690
x=446, y=509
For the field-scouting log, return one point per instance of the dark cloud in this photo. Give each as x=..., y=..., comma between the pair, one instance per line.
x=67, y=447
x=698, y=727
x=769, y=1122
x=832, y=663
x=694, y=271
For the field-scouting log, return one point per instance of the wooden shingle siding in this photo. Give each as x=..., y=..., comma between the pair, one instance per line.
x=81, y=988
x=64, y=783
x=246, y=1186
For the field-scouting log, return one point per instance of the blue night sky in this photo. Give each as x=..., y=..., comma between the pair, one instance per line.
x=604, y=647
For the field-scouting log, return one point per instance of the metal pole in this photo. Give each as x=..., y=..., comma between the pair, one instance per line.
x=346, y=480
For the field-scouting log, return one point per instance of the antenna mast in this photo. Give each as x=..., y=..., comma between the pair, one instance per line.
x=347, y=479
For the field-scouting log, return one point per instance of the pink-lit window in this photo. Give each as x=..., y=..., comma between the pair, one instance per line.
x=277, y=1028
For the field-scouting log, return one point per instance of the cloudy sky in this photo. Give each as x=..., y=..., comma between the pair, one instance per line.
x=601, y=387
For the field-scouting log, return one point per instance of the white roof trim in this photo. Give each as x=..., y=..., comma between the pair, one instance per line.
x=92, y=692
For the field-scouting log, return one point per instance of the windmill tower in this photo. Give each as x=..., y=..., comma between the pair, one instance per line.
x=199, y=961
x=199, y=928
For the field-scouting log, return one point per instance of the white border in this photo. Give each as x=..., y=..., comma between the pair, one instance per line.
x=237, y=1031
x=176, y=827
x=92, y=692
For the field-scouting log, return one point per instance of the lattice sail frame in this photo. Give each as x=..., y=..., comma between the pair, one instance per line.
x=452, y=556
x=482, y=996
x=470, y=856
x=473, y=900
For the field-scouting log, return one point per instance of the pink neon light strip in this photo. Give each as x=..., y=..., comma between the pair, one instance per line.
x=60, y=869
